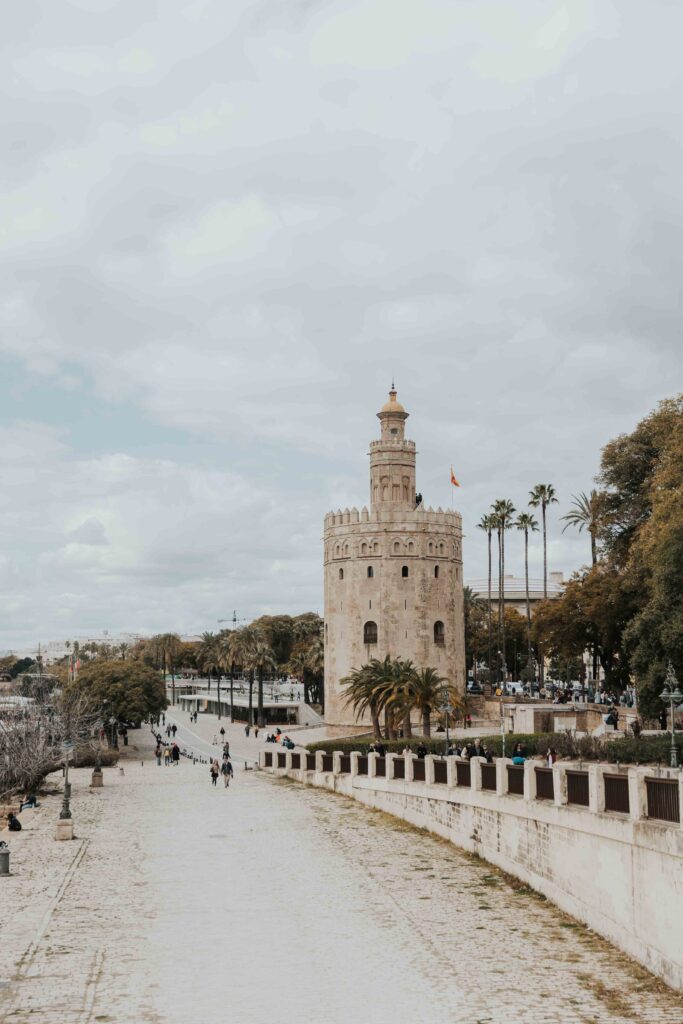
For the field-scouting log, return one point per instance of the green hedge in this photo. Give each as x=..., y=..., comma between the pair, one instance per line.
x=646, y=750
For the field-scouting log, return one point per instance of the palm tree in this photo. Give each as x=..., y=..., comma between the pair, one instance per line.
x=585, y=515
x=242, y=643
x=363, y=695
x=542, y=496
x=487, y=524
x=315, y=663
x=168, y=647
x=526, y=522
x=260, y=660
x=503, y=511
x=429, y=690
x=209, y=658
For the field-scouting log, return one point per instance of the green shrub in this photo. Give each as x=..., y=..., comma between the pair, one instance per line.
x=646, y=750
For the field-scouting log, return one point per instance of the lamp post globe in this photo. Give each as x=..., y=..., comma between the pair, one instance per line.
x=672, y=696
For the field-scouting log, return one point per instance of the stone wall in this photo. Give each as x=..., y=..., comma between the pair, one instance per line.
x=619, y=873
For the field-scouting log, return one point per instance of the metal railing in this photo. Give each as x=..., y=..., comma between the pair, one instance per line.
x=663, y=802
x=399, y=768
x=345, y=764
x=380, y=767
x=328, y=763
x=418, y=770
x=577, y=788
x=463, y=773
x=441, y=772
x=310, y=762
x=268, y=759
x=616, y=794
x=488, y=777
x=545, y=784
x=516, y=779
x=281, y=760
x=296, y=761
x=362, y=764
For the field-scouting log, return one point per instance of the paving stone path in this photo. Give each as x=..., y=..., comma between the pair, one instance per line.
x=269, y=901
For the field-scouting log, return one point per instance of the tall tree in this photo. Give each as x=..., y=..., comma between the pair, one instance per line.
x=541, y=497
x=586, y=514
x=527, y=524
x=487, y=524
x=503, y=511
x=242, y=644
x=260, y=661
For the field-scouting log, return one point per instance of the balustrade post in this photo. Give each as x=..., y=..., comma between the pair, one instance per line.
x=410, y=771
x=559, y=785
x=502, y=775
x=319, y=754
x=336, y=762
x=372, y=765
x=475, y=773
x=637, y=793
x=529, y=780
x=596, y=788
x=680, y=798
x=451, y=772
x=354, y=762
x=429, y=769
x=288, y=761
x=389, y=765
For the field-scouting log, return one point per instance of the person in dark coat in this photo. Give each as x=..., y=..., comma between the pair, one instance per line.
x=13, y=823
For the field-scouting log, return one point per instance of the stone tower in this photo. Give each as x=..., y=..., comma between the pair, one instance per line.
x=393, y=575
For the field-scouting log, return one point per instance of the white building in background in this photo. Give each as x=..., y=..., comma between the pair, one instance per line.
x=514, y=589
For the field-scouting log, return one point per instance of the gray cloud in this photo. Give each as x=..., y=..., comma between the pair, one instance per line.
x=239, y=219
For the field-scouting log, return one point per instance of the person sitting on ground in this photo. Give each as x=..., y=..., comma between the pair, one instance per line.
x=421, y=751
x=13, y=823
x=29, y=801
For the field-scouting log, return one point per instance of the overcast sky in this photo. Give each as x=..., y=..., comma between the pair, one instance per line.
x=225, y=225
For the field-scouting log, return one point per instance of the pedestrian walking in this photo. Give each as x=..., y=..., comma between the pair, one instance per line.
x=175, y=754
x=247, y=730
x=226, y=772
x=256, y=732
x=157, y=754
x=214, y=772
x=222, y=733
x=174, y=729
x=167, y=756
x=226, y=749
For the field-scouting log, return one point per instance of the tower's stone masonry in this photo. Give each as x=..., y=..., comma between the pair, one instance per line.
x=393, y=574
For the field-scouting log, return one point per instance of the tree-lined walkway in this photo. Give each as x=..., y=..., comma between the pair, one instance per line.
x=268, y=900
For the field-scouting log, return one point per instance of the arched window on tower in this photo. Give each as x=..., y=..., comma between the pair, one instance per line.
x=363, y=548
x=397, y=547
x=341, y=574
x=371, y=572
x=439, y=633
x=404, y=572
x=441, y=548
x=346, y=551
x=436, y=572
x=370, y=633
x=411, y=547
x=430, y=548
x=375, y=548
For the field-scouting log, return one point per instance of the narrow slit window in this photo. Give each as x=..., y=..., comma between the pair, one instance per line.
x=371, y=572
x=404, y=572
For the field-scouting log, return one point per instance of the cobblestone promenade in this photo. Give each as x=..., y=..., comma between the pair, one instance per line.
x=270, y=902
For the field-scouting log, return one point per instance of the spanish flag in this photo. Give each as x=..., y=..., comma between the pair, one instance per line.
x=453, y=480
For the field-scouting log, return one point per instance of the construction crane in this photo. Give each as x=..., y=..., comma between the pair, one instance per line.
x=234, y=620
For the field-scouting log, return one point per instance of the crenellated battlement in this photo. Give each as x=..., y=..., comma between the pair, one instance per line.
x=437, y=516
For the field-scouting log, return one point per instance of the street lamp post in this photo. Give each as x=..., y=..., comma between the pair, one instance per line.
x=672, y=696
x=65, y=813
x=112, y=722
x=447, y=708
x=502, y=717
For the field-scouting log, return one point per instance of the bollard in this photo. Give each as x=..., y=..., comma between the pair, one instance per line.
x=4, y=859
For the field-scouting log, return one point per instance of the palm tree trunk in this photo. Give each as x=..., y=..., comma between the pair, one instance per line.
x=426, y=722
x=489, y=629
x=502, y=602
x=528, y=604
x=407, y=726
x=259, y=713
x=541, y=653
x=232, y=709
x=375, y=725
x=500, y=599
x=250, y=719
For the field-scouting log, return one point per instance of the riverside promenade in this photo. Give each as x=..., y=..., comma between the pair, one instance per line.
x=181, y=902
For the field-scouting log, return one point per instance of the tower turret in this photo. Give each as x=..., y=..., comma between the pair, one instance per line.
x=392, y=459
